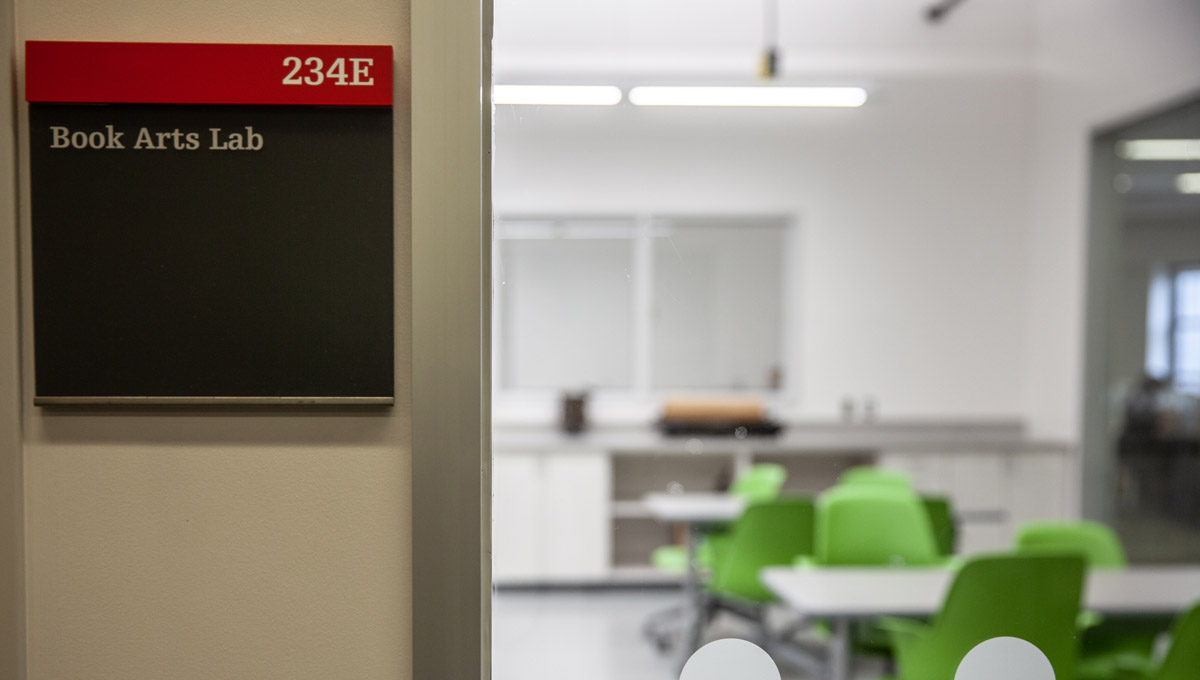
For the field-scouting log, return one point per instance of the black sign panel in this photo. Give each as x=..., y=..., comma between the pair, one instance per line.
x=198, y=252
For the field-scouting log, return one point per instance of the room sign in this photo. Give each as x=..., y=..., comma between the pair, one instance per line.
x=211, y=223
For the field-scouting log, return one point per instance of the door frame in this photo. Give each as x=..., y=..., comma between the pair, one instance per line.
x=12, y=501
x=451, y=355
x=1105, y=226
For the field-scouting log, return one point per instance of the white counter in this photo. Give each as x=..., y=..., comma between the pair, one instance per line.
x=569, y=509
x=801, y=437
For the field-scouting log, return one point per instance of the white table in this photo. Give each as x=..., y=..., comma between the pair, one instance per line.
x=694, y=508
x=696, y=511
x=844, y=594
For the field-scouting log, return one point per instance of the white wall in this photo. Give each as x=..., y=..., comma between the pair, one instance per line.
x=222, y=544
x=911, y=210
x=1100, y=62
x=944, y=222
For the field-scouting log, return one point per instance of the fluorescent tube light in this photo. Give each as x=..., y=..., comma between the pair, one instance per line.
x=1160, y=149
x=556, y=95
x=1188, y=183
x=748, y=96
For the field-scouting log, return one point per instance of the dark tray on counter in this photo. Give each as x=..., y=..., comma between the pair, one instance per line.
x=762, y=428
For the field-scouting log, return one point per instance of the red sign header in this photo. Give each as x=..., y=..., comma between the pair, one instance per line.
x=208, y=73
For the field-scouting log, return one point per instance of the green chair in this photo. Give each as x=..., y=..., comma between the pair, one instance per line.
x=941, y=519
x=863, y=524
x=1098, y=543
x=760, y=482
x=939, y=509
x=1183, y=658
x=1106, y=644
x=868, y=525
x=1031, y=597
x=869, y=474
x=770, y=533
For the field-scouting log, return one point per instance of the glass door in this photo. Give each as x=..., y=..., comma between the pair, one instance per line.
x=782, y=297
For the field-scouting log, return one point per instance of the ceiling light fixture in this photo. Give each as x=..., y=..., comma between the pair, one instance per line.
x=747, y=96
x=1188, y=183
x=1159, y=149
x=769, y=66
x=556, y=95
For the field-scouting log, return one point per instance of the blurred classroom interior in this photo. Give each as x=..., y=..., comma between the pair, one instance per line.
x=864, y=383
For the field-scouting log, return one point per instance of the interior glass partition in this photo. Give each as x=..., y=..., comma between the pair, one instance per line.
x=781, y=354
x=1153, y=421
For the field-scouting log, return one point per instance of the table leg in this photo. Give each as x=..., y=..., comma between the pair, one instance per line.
x=693, y=605
x=839, y=650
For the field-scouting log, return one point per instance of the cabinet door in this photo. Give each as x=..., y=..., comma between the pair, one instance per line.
x=979, y=486
x=517, y=517
x=978, y=481
x=1041, y=487
x=930, y=473
x=576, y=496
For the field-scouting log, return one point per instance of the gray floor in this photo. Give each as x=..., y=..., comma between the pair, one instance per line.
x=581, y=635
x=591, y=635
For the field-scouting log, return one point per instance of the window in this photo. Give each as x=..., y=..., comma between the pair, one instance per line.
x=1173, y=340
x=565, y=304
x=1185, y=330
x=717, y=321
x=640, y=303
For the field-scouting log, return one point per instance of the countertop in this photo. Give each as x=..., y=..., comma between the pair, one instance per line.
x=797, y=437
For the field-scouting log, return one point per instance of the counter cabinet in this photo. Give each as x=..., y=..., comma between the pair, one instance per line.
x=575, y=517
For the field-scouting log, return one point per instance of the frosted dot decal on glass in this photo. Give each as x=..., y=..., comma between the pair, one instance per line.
x=1005, y=658
x=730, y=659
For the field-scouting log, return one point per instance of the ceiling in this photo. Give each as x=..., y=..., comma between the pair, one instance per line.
x=1149, y=192
x=725, y=37
x=626, y=42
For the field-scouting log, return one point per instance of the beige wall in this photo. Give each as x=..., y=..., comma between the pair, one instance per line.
x=218, y=544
